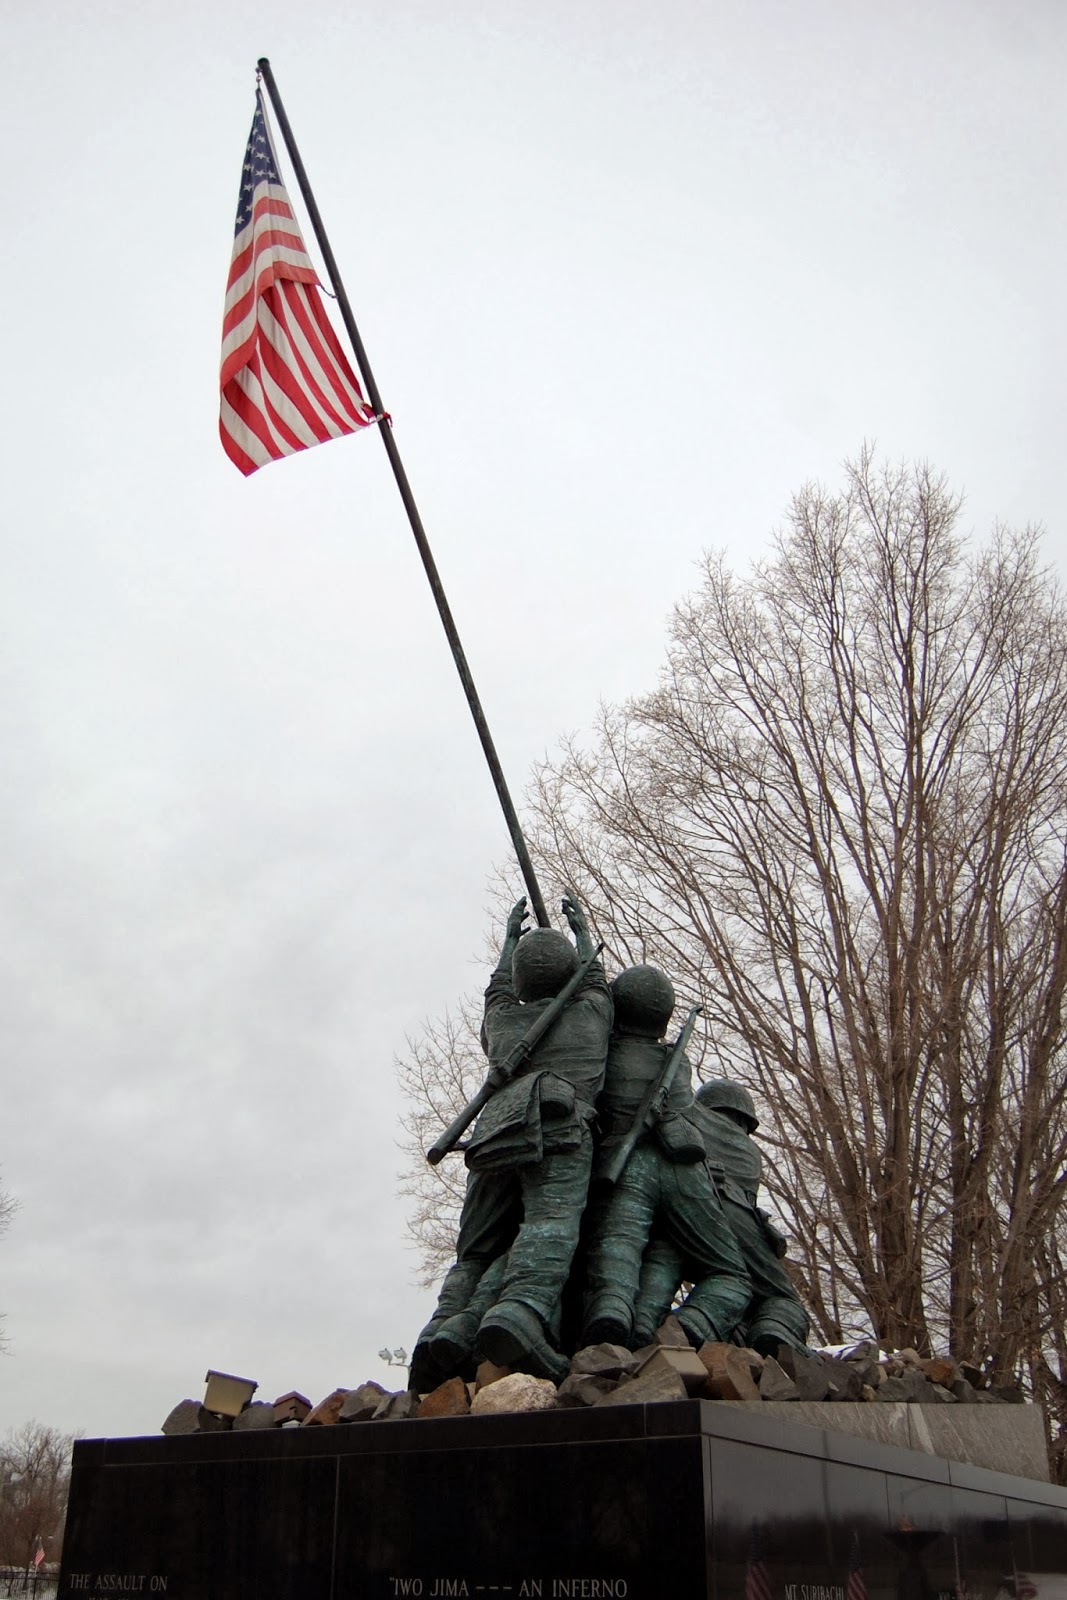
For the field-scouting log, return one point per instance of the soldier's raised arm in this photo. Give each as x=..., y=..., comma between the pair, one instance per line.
x=512, y=934
x=579, y=926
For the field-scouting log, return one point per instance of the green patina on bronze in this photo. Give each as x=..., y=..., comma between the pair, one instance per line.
x=674, y=1180
x=726, y=1118
x=529, y=1162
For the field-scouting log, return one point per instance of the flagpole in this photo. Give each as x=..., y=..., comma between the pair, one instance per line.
x=385, y=429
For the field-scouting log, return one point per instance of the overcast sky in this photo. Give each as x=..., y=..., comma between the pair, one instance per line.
x=629, y=275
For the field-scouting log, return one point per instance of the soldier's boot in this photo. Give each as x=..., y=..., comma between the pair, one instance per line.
x=423, y=1373
x=451, y=1346
x=706, y=1319
x=699, y=1328
x=778, y=1322
x=644, y=1331
x=511, y=1335
x=714, y=1307
x=608, y=1320
x=469, y=1289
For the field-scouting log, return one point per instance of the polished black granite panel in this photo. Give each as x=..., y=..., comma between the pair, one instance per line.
x=688, y=1499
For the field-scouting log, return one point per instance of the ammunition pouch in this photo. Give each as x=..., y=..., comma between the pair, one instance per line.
x=678, y=1139
x=558, y=1098
x=776, y=1238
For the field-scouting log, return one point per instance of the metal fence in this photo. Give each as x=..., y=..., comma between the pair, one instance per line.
x=34, y=1583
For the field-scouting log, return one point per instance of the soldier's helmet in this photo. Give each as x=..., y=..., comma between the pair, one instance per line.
x=543, y=962
x=721, y=1094
x=644, y=1000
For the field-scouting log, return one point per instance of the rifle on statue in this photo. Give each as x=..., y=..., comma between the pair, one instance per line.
x=651, y=1107
x=502, y=1072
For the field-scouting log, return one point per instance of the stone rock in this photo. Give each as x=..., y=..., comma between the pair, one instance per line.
x=910, y=1357
x=775, y=1383
x=660, y=1383
x=213, y=1421
x=845, y=1382
x=810, y=1373
x=939, y=1392
x=866, y=1369
x=359, y=1405
x=1008, y=1393
x=671, y=1334
x=291, y=1407
x=257, y=1414
x=686, y=1363
x=517, y=1392
x=185, y=1418
x=869, y=1392
x=328, y=1411
x=397, y=1407
x=942, y=1370
x=487, y=1373
x=755, y=1361
x=608, y=1360
x=729, y=1374
x=449, y=1399
x=584, y=1389
x=974, y=1375
x=964, y=1391
x=910, y=1387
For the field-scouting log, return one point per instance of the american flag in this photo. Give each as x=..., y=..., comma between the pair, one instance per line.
x=857, y=1584
x=757, y=1578
x=38, y=1555
x=286, y=383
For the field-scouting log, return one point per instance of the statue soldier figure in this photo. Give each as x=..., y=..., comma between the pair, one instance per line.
x=664, y=1186
x=726, y=1116
x=529, y=1160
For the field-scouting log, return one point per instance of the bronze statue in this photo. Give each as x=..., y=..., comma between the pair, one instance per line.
x=726, y=1117
x=529, y=1160
x=664, y=1187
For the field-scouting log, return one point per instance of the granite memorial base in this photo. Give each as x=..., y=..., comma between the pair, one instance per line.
x=689, y=1499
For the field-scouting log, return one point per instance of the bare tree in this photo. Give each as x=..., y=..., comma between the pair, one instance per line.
x=840, y=823
x=8, y=1207
x=840, y=820
x=34, y=1482
x=440, y=1072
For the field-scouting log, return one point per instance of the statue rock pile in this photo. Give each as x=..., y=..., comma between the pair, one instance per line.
x=608, y=1374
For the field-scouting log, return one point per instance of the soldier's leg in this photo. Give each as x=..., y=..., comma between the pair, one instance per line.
x=450, y=1343
x=662, y=1270
x=514, y=1331
x=487, y=1225
x=619, y=1230
x=692, y=1216
x=776, y=1315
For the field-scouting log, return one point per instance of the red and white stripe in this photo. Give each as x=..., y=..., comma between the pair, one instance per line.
x=286, y=384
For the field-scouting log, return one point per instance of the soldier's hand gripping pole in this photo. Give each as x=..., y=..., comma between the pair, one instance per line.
x=502, y=1072
x=651, y=1106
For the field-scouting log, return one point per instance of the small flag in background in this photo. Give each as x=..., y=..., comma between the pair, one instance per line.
x=757, y=1579
x=286, y=383
x=38, y=1556
x=857, y=1584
